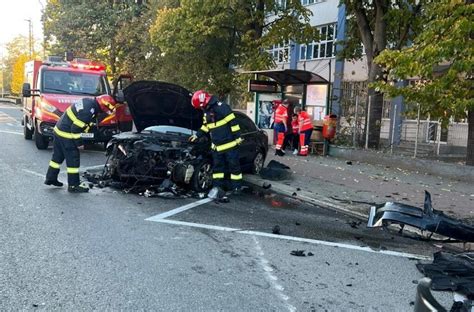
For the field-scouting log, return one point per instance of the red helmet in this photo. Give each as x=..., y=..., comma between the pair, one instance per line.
x=106, y=103
x=200, y=99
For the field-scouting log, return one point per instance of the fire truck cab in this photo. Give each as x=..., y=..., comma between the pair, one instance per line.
x=51, y=86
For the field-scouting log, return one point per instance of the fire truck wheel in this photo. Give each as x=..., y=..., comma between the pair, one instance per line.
x=41, y=141
x=27, y=133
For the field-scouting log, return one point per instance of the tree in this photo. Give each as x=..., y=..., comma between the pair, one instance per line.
x=201, y=44
x=442, y=59
x=18, y=73
x=14, y=48
x=91, y=28
x=379, y=24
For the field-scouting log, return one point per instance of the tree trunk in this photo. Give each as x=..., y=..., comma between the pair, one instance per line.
x=470, y=138
x=376, y=107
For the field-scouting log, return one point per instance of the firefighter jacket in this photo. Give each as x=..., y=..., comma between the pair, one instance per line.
x=281, y=114
x=77, y=119
x=304, y=121
x=220, y=122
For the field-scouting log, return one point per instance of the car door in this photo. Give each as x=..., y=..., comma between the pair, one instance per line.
x=249, y=145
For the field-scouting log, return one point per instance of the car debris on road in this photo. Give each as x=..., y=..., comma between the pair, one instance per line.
x=447, y=272
x=426, y=219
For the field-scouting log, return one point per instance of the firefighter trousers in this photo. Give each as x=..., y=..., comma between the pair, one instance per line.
x=223, y=162
x=64, y=149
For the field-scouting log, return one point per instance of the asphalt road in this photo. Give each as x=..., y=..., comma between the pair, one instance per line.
x=98, y=251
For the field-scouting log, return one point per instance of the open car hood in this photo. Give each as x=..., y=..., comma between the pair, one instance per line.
x=154, y=103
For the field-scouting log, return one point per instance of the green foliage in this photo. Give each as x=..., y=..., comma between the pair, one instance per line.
x=202, y=43
x=402, y=23
x=99, y=30
x=441, y=59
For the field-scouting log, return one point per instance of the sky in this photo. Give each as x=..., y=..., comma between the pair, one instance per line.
x=12, y=19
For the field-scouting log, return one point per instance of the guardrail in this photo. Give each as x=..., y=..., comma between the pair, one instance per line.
x=11, y=99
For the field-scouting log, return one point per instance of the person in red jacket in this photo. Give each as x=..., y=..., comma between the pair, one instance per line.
x=292, y=137
x=305, y=130
x=281, y=119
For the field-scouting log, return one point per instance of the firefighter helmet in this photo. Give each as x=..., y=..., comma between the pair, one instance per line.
x=200, y=99
x=106, y=103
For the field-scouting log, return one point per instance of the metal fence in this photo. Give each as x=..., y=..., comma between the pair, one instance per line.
x=417, y=136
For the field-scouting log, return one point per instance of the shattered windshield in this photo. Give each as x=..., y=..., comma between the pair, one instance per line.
x=169, y=130
x=64, y=82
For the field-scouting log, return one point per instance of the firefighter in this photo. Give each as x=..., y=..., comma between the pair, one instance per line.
x=281, y=120
x=220, y=122
x=67, y=138
x=305, y=130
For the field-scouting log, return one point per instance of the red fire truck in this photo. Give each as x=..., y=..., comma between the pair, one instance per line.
x=51, y=86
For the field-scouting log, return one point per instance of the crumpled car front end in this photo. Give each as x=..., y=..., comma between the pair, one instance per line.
x=151, y=157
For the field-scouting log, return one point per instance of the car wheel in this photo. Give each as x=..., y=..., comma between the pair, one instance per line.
x=41, y=141
x=27, y=133
x=258, y=162
x=201, y=180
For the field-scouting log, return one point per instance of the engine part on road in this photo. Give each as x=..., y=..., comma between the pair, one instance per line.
x=426, y=219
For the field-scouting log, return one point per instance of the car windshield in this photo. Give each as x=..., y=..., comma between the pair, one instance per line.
x=64, y=82
x=169, y=130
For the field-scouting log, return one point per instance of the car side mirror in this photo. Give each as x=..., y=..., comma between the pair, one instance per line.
x=26, y=90
x=120, y=97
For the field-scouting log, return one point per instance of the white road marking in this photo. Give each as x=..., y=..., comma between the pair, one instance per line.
x=286, y=237
x=34, y=173
x=179, y=210
x=11, y=132
x=92, y=167
x=272, y=278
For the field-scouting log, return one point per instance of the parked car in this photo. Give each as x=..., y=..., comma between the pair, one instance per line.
x=164, y=119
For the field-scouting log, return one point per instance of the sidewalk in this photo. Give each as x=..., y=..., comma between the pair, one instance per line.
x=350, y=187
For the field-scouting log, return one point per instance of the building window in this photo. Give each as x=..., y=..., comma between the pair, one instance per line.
x=280, y=52
x=308, y=2
x=281, y=4
x=324, y=48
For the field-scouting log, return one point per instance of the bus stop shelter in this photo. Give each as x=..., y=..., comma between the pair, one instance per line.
x=301, y=87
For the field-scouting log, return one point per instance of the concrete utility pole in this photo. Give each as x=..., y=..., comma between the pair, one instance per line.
x=30, y=28
x=44, y=36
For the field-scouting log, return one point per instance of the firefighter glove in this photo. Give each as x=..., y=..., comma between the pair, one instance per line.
x=193, y=138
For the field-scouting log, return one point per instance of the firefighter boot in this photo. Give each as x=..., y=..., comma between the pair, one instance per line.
x=53, y=182
x=78, y=188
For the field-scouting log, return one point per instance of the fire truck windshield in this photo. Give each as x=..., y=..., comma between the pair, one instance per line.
x=65, y=82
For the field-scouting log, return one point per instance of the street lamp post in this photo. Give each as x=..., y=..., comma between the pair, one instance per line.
x=30, y=29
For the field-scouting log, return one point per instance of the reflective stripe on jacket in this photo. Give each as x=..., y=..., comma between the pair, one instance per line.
x=221, y=124
x=281, y=114
x=77, y=118
x=304, y=121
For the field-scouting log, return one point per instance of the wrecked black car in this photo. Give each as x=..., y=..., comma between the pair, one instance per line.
x=159, y=149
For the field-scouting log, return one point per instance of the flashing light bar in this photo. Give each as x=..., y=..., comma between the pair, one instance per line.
x=88, y=66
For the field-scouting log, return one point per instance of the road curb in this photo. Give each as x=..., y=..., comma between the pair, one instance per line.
x=305, y=196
